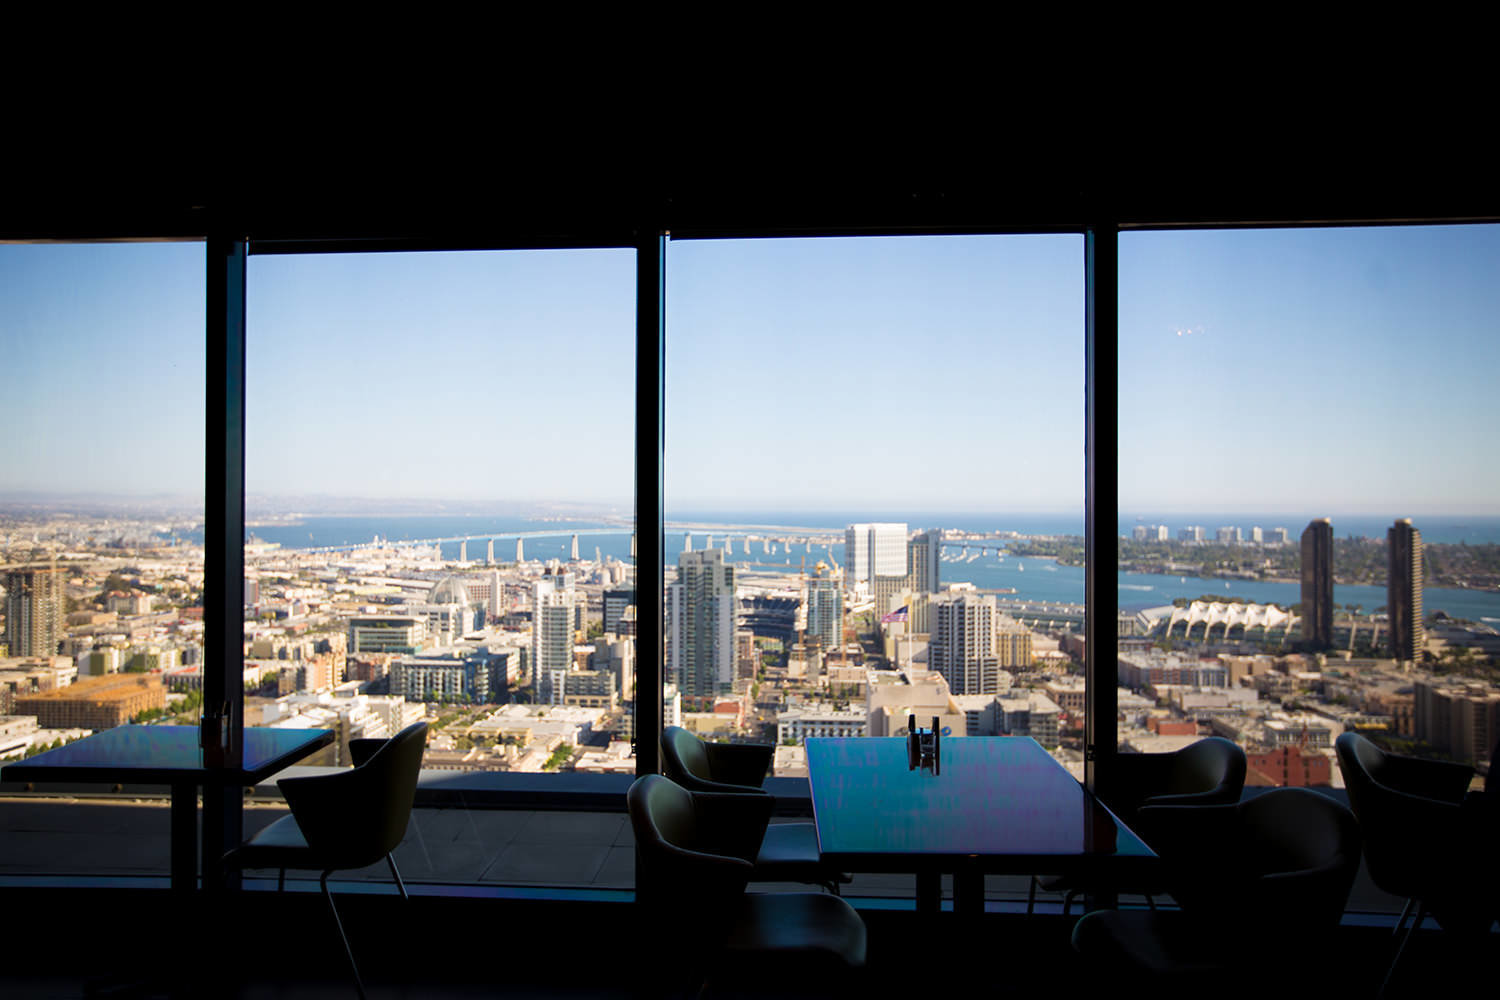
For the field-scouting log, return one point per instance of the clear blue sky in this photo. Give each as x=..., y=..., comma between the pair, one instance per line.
x=1340, y=370
x=101, y=368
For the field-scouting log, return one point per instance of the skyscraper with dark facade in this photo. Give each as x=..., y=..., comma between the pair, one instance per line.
x=1317, y=583
x=34, y=610
x=1403, y=590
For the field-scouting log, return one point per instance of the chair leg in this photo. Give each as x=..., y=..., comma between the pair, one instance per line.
x=391, y=860
x=1151, y=902
x=1401, y=920
x=1068, y=901
x=353, y=966
x=280, y=879
x=1031, y=897
x=1421, y=914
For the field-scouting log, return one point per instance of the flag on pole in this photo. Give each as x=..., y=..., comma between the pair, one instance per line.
x=899, y=615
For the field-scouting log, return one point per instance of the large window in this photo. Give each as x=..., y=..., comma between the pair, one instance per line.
x=874, y=489
x=873, y=448
x=101, y=524
x=439, y=477
x=1309, y=531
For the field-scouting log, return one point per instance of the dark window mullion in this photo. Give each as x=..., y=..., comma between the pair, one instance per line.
x=1101, y=496
x=224, y=539
x=651, y=278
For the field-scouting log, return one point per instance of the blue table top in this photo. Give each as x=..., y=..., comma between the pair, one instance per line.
x=999, y=803
x=165, y=755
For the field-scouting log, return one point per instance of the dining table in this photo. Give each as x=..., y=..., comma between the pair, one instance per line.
x=171, y=756
x=993, y=805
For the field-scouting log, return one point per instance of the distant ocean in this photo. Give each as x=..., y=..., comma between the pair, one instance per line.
x=1033, y=579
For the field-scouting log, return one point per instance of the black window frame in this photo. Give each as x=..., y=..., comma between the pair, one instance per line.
x=234, y=229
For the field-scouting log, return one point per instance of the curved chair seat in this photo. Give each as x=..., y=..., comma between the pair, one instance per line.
x=1269, y=876
x=1161, y=945
x=808, y=926
x=280, y=845
x=789, y=853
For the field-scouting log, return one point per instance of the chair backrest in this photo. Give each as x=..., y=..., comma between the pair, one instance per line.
x=675, y=869
x=1394, y=854
x=1212, y=767
x=354, y=818
x=683, y=757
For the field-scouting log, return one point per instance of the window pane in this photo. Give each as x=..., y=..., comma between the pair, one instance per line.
x=101, y=529
x=1309, y=530
x=874, y=490
x=440, y=472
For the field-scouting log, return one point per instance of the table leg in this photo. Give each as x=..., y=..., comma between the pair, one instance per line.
x=929, y=892
x=223, y=828
x=968, y=892
x=184, y=838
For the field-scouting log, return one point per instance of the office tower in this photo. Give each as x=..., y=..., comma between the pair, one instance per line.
x=825, y=607
x=872, y=550
x=701, y=620
x=553, y=620
x=875, y=554
x=463, y=551
x=1257, y=535
x=924, y=556
x=520, y=556
x=1278, y=536
x=1403, y=590
x=1227, y=536
x=489, y=553
x=1138, y=533
x=687, y=541
x=34, y=610
x=962, y=643
x=1317, y=583
x=573, y=553
x=1192, y=533
x=1160, y=533
x=616, y=600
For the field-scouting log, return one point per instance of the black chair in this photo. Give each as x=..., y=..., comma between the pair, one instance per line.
x=696, y=851
x=789, y=852
x=1269, y=876
x=1422, y=841
x=342, y=821
x=1210, y=772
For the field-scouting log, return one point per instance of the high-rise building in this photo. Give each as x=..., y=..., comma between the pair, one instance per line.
x=554, y=612
x=875, y=554
x=872, y=550
x=701, y=621
x=34, y=610
x=1317, y=583
x=962, y=643
x=1403, y=590
x=825, y=607
x=616, y=600
x=924, y=556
